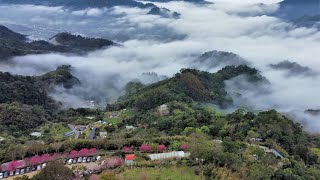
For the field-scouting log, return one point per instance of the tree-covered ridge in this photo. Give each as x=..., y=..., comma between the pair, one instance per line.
x=80, y=43
x=218, y=59
x=33, y=90
x=81, y=4
x=61, y=76
x=23, y=89
x=14, y=44
x=6, y=33
x=16, y=118
x=186, y=86
x=25, y=102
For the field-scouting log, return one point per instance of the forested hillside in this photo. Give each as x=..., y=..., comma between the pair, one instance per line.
x=15, y=44
x=25, y=101
x=186, y=86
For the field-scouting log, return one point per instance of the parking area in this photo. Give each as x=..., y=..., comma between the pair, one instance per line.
x=90, y=165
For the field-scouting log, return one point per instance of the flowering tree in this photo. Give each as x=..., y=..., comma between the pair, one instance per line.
x=127, y=149
x=73, y=154
x=162, y=148
x=92, y=151
x=113, y=162
x=35, y=160
x=45, y=158
x=184, y=147
x=84, y=152
x=145, y=148
x=13, y=165
x=55, y=156
x=94, y=177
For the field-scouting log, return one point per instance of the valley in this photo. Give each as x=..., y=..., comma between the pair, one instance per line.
x=161, y=89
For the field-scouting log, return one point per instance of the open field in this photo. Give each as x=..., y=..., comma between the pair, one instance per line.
x=164, y=173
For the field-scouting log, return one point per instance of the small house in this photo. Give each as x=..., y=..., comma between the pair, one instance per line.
x=129, y=128
x=82, y=128
x=2, y=139
x=256, y=140
x=218, y=141
x=164, y=110
x=35, y=134
x=129, y=160
x=103, y=134
x=70, y=133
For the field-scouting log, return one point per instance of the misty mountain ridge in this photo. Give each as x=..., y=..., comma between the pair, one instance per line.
x=188, y=85
x=14, y=44
x=34, y=90
x=79, y=42
x=84, y=4
x=194, y=1
x=308, y=21
x=81, y=4
x=292, y=9
x=6, y=33
x=313, y=112
x=217, y=59
x=293, y=69
x=163, y=12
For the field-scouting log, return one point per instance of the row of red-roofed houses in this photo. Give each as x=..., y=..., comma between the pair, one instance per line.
x=85, y=155
x=37, y=162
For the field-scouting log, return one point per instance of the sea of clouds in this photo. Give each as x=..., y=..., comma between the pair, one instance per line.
x=151, y=43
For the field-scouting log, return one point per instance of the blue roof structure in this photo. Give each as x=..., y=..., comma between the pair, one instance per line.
x=70, y=133
x=92, y=134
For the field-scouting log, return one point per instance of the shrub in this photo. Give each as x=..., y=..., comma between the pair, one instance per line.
x=113, y=162
x=162, y=148
x=145, y=148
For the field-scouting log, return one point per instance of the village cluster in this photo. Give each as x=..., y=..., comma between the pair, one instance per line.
x=37, y=163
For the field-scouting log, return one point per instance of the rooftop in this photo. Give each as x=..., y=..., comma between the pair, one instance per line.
x=130, y=157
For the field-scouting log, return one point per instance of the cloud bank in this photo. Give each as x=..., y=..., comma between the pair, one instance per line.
x=150, y=43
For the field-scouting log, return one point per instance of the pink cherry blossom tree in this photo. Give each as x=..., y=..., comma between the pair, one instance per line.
x=35, y=160
x=55, y=156
x=162, y=148
x=73, y=154
x=145, y=148
x=184, y=147
x=127, y=149
x=45, y=158
x=84, y=152
x=94, y=177
x=13, y=165
x=92, y=151
x=113, y=162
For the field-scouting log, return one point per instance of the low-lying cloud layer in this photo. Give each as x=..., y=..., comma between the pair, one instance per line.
x=164, y=46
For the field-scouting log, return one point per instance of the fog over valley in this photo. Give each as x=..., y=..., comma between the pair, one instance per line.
x=150, y=48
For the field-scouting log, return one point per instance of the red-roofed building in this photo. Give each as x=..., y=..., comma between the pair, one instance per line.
x=129, y=160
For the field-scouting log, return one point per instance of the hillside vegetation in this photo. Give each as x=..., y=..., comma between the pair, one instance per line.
x=14, y=44
x=186, y=86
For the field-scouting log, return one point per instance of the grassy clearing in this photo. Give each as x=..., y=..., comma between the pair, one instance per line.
x=56, y=130
x=113, y=120
x=163, y=173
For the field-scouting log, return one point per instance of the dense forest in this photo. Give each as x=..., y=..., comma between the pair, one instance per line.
x=188, y=85
x=25, y=102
